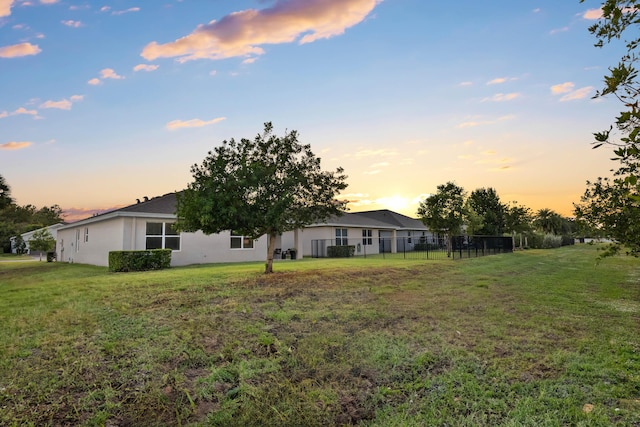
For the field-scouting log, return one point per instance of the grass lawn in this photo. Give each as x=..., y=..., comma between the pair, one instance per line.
x=534, y=338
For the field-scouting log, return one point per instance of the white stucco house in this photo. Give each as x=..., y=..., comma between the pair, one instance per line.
x=53, y=230
x=370, y=232
x=148, y=225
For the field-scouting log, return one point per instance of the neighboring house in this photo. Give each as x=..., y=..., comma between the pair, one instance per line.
x=148, y=225
x=370, y=232
x=53, y=229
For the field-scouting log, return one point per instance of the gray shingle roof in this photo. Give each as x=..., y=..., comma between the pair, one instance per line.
x=380, y=219
x=383, y=218
x=163, y=205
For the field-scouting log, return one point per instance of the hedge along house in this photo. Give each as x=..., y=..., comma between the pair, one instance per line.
x=370, y=232
x=149, y=225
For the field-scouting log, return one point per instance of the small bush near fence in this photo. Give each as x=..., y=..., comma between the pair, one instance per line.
x=125, y=261
x=341, y=251
x=548, y=241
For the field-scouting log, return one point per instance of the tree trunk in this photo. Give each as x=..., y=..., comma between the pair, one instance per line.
x=270, y=248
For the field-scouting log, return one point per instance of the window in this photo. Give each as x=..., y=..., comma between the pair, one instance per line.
x=78, y=240
x=86, y=234
x=239, y=241
x=367, y=237
x=341, y=237
x=162, y=235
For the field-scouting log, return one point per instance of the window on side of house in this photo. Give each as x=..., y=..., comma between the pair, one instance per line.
x=238, y=241
x=342, y=238
x=162, y=235
x=86, y=234
x=367, y=237
x=78, y=240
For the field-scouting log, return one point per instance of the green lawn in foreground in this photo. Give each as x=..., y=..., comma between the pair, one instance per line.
x=535, y=338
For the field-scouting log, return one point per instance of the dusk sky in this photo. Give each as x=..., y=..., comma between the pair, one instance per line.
x=103, y=102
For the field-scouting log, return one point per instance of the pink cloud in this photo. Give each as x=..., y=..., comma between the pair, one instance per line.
x=562, y=88
x=592, y=14
x=13, y=145
x=193, y=123
x=17, y=50
x=5, y=7
x=145, y=67
x=243, y=33
x=581, y=93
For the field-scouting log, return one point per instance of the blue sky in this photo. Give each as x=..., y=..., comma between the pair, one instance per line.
x=103, y=102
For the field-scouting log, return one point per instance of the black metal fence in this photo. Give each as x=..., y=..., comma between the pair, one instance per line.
x=412, y=248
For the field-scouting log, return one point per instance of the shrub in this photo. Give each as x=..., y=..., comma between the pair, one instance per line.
x=124, y=261
x=568, y=240
x=341, y=251
x=551, y=241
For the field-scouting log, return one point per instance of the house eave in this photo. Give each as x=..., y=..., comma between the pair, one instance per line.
x=118, y=214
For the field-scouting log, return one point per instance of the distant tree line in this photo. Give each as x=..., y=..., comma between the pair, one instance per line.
x=15, y=219
x=452, y=211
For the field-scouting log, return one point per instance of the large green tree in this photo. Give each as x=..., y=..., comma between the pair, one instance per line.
x=267, y=185
x=486, y=203
x=444, y=211
x=613, y=204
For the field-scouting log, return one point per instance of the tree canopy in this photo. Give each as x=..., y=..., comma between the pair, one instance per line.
x=268, y=185
x=15, y=219
x=42, y=241
x=443, y=212
x=613, y=205
x=486, y=203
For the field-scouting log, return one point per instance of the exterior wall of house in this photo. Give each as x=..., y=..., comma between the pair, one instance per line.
x=325, y=236
x=198, y=248
x=407, y=239
x=90, y=243
x=129, y=233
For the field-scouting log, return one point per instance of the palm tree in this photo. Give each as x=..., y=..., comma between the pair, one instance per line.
x=548, y=221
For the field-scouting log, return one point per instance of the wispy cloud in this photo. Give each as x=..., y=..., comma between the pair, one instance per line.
x=567, y=88
x=145, y=67
x=193, y=123
x=562, y=88
x=63, y=104
x=107, y=73
x=18, y=112
x=474, y=123
x=581, y=93
x=18, y=50
x=502, y=97
x=242, y=33
x=122, y=12
x=378, y=153
x=463, y=84
x=559, y=30
x=500, y=80
x=14, y=145
x=72, y=24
